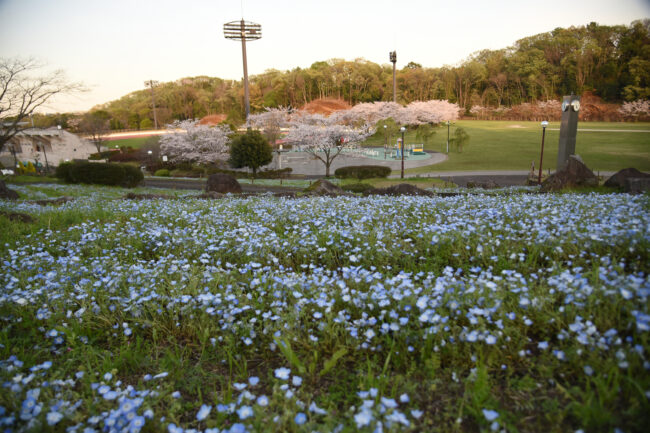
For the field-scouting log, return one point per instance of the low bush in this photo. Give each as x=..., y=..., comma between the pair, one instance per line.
x=97, y=173
x=362, y=172
x=163, y=172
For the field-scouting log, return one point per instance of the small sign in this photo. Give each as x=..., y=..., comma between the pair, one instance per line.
x=164, y=158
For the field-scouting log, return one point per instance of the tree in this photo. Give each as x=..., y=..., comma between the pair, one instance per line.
x=21, y=93
x=323, y=138
x=250, y=150
x=460, y=138
x=270, y=122
x=96, y=126
x=191, y=142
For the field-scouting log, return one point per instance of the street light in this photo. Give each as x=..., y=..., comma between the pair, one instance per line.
x=402, y=130
x=541, y=156
x=386, y=139
x=448, y=123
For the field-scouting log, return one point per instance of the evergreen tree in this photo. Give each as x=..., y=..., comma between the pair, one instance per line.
x=250, y=150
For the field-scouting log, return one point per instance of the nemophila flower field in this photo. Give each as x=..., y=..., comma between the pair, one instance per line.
x=511, y=312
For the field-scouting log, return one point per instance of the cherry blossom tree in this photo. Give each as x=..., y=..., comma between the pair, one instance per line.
x=187, y=141
x=270, y=122
x=636, y=110
x=324, y=138
x=416, y=113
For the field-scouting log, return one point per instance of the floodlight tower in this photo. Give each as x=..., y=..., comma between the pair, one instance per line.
x=393, y=59
x=243, y=31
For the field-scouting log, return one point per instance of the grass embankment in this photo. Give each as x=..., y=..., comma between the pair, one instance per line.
x=135, y=142
x=473, y=313
x=506, y=145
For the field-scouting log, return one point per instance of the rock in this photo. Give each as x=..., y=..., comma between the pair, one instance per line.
x=223, y=183
x=6, y=193
x=637, y=185
x=490, y=184
x=618, y=179
x=401, y=189
x=325, y=188
x=575, y=173
x=53, y=201
x=134, y=196
x=18, y=216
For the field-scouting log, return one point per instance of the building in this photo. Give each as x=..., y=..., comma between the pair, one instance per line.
x=38, y=146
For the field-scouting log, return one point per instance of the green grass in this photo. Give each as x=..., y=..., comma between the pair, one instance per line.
x=135, y=143
x=31, y=179
x=506, y=145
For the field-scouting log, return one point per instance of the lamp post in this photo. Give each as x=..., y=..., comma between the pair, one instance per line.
x=402, y=130
x=393, y=58
x=448, y=123
x=151, y=84
x=541, y=155
x=385, y=139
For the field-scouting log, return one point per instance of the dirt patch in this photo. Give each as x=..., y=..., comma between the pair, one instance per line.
x=18, y=216
x=326, y=106
x=401, y=189
x=53, y=201
x=213, y=119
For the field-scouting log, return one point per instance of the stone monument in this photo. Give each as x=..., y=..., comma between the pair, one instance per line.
x=568, y=130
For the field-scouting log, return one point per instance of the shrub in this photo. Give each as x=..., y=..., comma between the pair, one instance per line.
x=163, y=172
x=98, y=173
x=362, y=172
x=102, y=155
x=357, y=187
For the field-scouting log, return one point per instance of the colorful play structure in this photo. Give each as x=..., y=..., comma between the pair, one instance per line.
x=411, y=149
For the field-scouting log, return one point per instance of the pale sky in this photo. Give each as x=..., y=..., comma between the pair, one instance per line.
x=113, y=46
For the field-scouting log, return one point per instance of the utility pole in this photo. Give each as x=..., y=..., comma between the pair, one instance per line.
x=393, y=59
x=152, y=84
x=243, y=31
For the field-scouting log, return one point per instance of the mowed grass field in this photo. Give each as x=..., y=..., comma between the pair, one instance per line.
x=507, y=145
x=136, y=142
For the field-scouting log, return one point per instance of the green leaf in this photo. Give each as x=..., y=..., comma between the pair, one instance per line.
x=285, y=348
x=330, y=363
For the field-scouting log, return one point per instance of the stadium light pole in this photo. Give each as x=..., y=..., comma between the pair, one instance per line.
x=541, y=156
x=243, y=31
x=152, y=84
x=393, y=58
x=402, y=129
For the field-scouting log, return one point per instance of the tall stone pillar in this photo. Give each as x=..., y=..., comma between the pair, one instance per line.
x=568, y=130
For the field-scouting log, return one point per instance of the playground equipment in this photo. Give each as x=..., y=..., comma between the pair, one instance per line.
x=411, y=149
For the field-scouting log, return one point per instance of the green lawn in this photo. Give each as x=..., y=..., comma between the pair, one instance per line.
x=505, y=145
x=135, y=143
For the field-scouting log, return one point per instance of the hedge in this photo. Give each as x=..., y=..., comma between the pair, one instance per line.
x=362, y=172
x=100, y=173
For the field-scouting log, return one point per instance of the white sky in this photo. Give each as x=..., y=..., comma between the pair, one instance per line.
x=113, y=46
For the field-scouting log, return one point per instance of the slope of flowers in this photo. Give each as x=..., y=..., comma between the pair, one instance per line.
x=345, y=314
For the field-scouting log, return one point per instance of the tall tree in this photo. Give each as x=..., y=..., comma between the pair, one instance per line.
x=95, y=125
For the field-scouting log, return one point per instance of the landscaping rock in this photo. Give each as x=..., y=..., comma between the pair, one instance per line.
x=637, y=185
x=53, y=201
x=134, y=196
x=401, y=189
x=618, y=179
x=223, y=183
x=6, y=193
x=490, y=184
x=575, y=173
x=325, y=188
x=18, y=216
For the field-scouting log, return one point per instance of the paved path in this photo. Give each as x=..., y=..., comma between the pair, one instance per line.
x=500, y=177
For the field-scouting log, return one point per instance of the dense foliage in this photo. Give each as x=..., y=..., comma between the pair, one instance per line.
x=362, y=171
x=250, y=150
x=611, y=61
x=125, y=175
x=516, y=312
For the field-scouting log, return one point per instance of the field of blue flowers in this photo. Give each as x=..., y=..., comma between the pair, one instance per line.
x=507, y=312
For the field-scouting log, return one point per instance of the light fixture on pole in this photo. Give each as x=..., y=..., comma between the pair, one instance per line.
x=386, y=139
x=541, y=156
x=152, y=84
x=402, y=130
x=448, y=123
x=393, y=58
x=243, y=31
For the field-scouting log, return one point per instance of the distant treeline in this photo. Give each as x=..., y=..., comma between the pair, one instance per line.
x=611, y=62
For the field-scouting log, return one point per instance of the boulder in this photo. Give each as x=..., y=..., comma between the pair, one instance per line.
x=53, y=201
x=401, y=189
x=575, y=173
x=325, y=188
x=6, y=193
x=18, y=216
x=223, y=183
x=637, y=185
x=618, y=179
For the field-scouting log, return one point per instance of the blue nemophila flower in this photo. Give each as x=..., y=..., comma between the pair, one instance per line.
x=300, y=418
x=262, y=400
x=282, y=373
x=490, y=414
x=296, y=380
x=245, y=412
x=54, y=418
x=363, y=418
x=176, y=394
x=203, y=412
x=253, y=380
